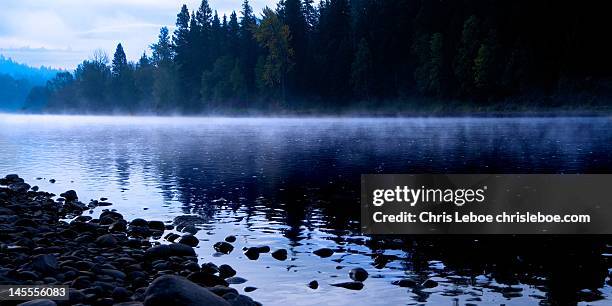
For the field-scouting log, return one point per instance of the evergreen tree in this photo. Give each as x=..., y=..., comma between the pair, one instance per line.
x=464, y=60
x=274, y=36
x=249, y=48
x=119, y=64
x=184, y=52
x=361, y=70
x=291, y=14
x=485, y=65
x=165, y=90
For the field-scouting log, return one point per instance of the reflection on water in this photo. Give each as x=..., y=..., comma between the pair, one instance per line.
x=294, y=183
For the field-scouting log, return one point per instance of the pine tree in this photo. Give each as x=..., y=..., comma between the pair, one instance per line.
x=162, y=50
x=361, y=70
x=184, y=52
x=248, y=46
x=119, y=64
x=464, y=60
x=274, y=36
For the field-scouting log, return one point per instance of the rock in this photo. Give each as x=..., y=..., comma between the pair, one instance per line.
x=349, y=285
x=222, y=290
x=69, y=195
x=191, y=229
x=230, y=238
x=226, y=271
x=324, y=252
x=139, y=222
x=12, y=177
x=210, y=268
x=189, y=240
x=39, y=302
x=185, y=220
x=313, y=284
x=251, y=253
x=406, y=282
x=19, y=187
x=250, y=289
x=157, y=225
x=358, y=274
x=263, y=249
x=240, y=300
x=106, y=241
x=207, y=279
x=118, y=226
x=111, y=214
x=429, y=283
x=113, y=273
x=121, y=294
x=223, y=247
x=168, y=250
x=380, y=261
x=52, y=181
x=45, y=264
x=26, y=222
x=178, y=291
x=236, y=280
x=172, y=237
x=280, y=254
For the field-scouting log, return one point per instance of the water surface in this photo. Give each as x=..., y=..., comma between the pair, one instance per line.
x=294, y=183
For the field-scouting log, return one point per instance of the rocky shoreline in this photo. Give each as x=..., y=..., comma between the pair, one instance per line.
x=106, y=260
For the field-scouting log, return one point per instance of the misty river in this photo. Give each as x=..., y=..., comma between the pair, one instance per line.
x=294, y=183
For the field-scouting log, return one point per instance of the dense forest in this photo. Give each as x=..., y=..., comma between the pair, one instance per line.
x=17, y=80
x=336, y=55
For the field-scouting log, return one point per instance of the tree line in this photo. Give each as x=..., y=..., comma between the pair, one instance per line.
x=336, y=54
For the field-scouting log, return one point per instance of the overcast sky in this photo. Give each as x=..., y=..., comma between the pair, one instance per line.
x=61, y=33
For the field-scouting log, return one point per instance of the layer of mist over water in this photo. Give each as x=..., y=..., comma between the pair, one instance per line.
x=294, y=183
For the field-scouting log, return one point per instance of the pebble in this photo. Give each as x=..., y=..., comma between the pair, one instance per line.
x=313, y=284
x=324, y=252
x=349, y=285
x=223, y=247
x=358, y=274
x=280, y=254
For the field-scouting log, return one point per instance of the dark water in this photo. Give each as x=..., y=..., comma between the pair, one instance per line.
x=294, y=183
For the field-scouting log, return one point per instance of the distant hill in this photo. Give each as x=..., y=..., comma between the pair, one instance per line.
x=16, y=81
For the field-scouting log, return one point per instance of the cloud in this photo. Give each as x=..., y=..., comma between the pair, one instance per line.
x=72, y=29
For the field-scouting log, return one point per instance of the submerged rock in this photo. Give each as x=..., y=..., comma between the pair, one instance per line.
x=313, y=284
x=280, y=254
x=223, y=247
x=324, y=252
x=358, y=274
x=349, y=285
x=406, y=282
x=252, y=253
x=236, y=280
x=168, y=250
x=429, y=283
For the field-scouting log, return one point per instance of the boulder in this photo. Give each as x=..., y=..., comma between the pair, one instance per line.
x=178, y=291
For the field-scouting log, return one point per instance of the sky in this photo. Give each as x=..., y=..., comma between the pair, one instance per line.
x=62, y=33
